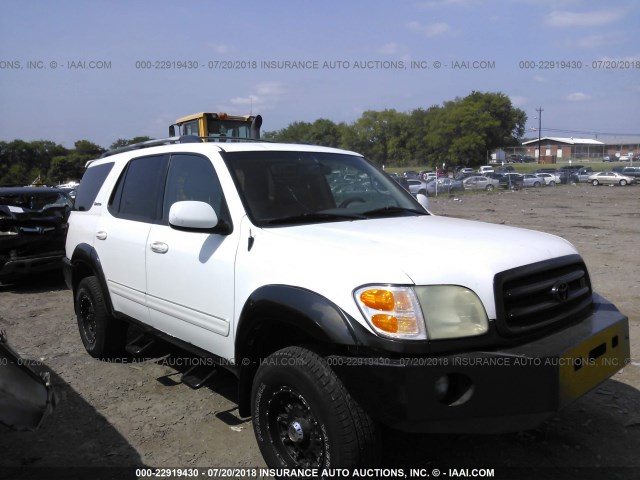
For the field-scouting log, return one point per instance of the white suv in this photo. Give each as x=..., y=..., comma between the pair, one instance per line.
x=304, y=271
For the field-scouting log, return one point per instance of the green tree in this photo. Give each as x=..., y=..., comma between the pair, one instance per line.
x=70, y=167
x=123, y=142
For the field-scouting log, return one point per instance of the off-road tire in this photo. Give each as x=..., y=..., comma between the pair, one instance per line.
x=303, y=416
x=102, y=335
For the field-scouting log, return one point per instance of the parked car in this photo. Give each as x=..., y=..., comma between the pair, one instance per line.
x=417, y=186
x=549, y=178
x=462, y=175
x=532, y=180
x=631, y=172
x=444, y=185
x=33, y=226
x=584, y=173
x=511, y=181
x=505, y=169
x=625, y=158
x=568, y=176
x=485, y=169
x=402, y=181
x=610, y=178
x=480, y=182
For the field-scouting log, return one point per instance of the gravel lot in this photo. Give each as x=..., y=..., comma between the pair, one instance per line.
x=134, y=414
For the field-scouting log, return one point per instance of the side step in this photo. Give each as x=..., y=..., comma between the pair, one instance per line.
x=139, y=345
x=198, y=375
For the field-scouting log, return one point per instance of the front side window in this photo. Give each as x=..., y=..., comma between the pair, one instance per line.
x=192, y=177
x=285, y=188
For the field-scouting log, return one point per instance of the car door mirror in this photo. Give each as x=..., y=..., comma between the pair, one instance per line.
x=423, y=200
x=191, y=214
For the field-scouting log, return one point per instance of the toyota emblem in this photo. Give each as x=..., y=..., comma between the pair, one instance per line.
x=560, y=291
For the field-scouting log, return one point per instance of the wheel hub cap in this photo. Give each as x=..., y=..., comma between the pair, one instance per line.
x=295, y=432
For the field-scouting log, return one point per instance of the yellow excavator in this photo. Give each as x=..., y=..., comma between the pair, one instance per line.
x=218, y=127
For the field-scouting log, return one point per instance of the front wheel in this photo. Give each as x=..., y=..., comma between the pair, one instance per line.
x=489, y=188
x=623, y=183
x=303, y=417
x=552, y=183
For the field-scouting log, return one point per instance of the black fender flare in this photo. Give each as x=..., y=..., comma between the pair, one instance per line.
x=83, y=260
x=312, y=315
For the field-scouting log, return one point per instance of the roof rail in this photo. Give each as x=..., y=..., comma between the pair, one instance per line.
x=152, y=143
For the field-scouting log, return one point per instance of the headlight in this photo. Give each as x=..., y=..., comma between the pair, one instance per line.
x=393, y=312
x=452, y=311
x=417, y=313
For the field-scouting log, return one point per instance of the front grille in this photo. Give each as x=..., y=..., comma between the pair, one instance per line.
x=542, y=295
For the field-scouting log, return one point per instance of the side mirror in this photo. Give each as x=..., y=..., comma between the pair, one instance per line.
x=423, y=200
x=192, y=215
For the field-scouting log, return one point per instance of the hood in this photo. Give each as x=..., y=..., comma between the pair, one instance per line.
x=421, y=250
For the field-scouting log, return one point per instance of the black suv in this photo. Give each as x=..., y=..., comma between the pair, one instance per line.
x=33, y=227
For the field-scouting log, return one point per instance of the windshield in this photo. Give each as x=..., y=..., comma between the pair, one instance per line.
x=228, y=128
x=37, y=200
x=286, y=188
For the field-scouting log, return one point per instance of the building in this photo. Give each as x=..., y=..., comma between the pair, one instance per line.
x=557, y=149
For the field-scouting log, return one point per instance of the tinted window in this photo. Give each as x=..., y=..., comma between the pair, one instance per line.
x=139, y=191
x=90, y=185
x=192, y=177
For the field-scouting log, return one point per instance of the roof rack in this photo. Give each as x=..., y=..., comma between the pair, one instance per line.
x=153, y=143
x=170, y=140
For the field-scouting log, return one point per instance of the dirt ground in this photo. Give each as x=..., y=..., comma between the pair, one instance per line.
x=139, y=414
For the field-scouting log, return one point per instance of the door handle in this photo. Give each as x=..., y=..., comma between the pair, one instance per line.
x=101, y=235
x=159, y=247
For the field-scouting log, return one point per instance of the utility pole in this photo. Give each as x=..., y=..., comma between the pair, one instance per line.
x=539, y=110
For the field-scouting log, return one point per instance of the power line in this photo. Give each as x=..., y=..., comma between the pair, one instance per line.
x=591, y=132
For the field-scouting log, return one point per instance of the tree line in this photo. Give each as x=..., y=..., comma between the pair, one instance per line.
x=458, y=132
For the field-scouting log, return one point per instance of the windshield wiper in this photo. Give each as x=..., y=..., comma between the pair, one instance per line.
x=311, y=217
x=390, y=211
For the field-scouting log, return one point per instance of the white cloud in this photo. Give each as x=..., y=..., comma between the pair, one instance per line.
x=431, y=30
x=593, y=41
x=265, y=97
x=218, y=47
x=577, y=97
x=518, y=100
x=391, y=48
x=559, y=18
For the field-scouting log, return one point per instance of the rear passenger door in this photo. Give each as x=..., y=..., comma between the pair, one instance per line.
x=122, y=232
x=190, y=274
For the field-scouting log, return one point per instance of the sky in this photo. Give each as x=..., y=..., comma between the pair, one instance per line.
x=103, y=70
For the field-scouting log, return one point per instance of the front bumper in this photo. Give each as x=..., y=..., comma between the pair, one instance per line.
x=20, y=267
x=511, y=389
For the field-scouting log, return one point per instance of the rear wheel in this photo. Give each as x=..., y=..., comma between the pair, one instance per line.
x=303, y=416
x=102, y=335
x=595, y=183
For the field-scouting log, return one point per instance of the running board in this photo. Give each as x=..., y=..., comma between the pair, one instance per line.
x=139, y=345
x=198, y=375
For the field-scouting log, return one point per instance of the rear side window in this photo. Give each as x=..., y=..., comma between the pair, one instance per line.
x=90, y=185
x=138, y=194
